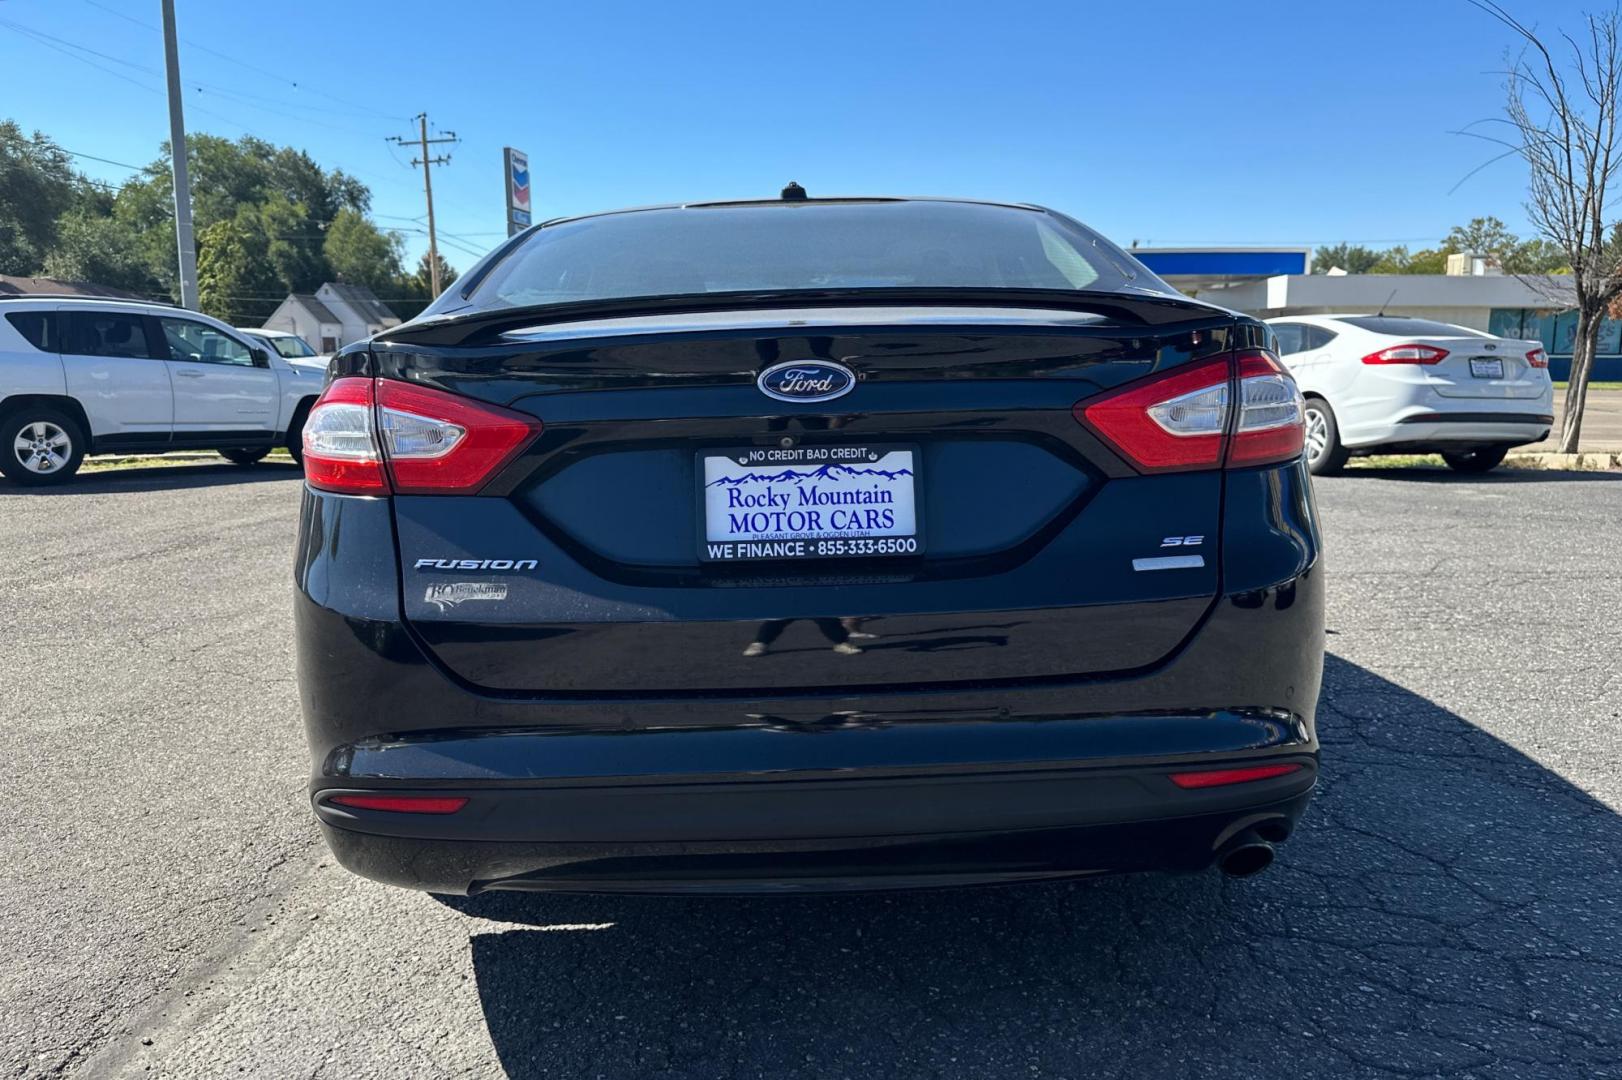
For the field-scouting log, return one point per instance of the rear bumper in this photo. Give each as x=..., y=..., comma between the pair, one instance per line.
x=813, y=834
x=1419, y=418
x=1460, y=430
x=828, y=788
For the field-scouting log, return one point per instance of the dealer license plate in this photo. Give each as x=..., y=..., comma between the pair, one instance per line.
x=1487, y=367
x=808, y=502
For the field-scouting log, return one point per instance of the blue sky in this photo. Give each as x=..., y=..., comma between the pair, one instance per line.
x=1249, y=121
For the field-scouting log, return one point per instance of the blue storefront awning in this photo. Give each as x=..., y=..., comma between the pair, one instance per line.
x=1224, y=262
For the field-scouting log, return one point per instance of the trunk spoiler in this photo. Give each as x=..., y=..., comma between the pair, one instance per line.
x=484, y=326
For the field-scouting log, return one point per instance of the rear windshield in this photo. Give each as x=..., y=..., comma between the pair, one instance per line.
x=771, y=247
x=1401, y=327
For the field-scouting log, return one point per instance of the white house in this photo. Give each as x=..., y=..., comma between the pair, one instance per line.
x=335, y=315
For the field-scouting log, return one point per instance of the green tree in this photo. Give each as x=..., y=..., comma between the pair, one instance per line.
x=98, y=247
x=359, y=253
x=1399, y=260
x=292, y=202
x=1393, y=260
x=270, y=221
x=234, y=282
x=1489, y=236
x=37, y=186
x=1483, y=236
x=416, y=291
x=1537, y=256
x=293, y=244
x=1352, y=258
x=1427, y=261
x=447, y=273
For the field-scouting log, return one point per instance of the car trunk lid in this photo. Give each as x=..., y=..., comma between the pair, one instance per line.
x=586, y=566
x=1477, y=367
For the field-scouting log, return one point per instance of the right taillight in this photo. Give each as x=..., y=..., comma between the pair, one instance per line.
x=1181, y=420
x=1406, y=354
x=1538, y=358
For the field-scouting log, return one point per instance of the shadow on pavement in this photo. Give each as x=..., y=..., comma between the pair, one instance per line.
x=1448, y=907
x=1440, y=474
x=171, y=477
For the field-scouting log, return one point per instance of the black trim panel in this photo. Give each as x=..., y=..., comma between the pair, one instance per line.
x=1478, y=418
x=1060, y=795
x=208, y=440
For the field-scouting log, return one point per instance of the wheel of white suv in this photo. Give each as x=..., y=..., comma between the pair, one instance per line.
x=1476, y=461
x=1325, y=454
x=40, y=445
x=243, y=457
x=295, y=434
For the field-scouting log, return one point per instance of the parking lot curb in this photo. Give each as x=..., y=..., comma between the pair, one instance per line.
x=1588, y=461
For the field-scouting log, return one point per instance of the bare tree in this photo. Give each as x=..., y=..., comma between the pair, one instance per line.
x=1564, y=115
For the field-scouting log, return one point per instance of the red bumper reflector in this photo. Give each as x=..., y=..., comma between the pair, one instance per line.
x=1221, y=777
x=404, y=804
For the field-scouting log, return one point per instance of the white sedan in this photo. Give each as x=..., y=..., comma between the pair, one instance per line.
x=290, y=347
x=1394, y=384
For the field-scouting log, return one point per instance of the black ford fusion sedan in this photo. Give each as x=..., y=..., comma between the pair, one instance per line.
x=808, y=544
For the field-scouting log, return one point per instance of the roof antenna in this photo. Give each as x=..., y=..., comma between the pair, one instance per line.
x=1381, y=312
x=794, y=192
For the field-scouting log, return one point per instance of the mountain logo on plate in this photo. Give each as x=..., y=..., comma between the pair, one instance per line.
x=806, y=381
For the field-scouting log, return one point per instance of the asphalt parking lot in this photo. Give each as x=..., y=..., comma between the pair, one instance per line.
x=1452, y=905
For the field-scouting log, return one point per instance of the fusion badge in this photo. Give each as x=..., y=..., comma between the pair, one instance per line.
x=476, y=564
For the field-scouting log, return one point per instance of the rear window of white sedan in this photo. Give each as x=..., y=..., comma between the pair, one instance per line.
x=1397, y=326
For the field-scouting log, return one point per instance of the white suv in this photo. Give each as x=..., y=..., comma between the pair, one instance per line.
x=84, y=376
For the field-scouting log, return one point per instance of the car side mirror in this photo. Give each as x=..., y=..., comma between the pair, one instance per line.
x=261, y=358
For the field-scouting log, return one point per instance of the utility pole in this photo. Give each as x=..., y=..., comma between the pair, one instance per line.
x=184, y=239
x=424, y=142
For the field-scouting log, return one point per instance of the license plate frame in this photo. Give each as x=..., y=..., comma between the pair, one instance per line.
x=847, y=469
x=1486, y=367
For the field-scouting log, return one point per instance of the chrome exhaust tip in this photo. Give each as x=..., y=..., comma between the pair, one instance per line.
x=1245, y=855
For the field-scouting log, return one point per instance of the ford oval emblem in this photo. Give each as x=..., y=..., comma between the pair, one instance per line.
x=806, y=381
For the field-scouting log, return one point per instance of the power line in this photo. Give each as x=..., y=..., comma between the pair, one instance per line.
x=104, y=161
x=250, y=66
x=252, y=101
x=84, y=54
x=74, y=51
x=67, y=48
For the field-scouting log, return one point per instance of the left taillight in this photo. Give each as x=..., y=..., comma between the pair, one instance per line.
x=340, y=440
x=1179, y=420
x=1407, y=354
x=367, y=437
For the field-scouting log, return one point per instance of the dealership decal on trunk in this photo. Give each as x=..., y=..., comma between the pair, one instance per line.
x=447, y=595
x=806, y=381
